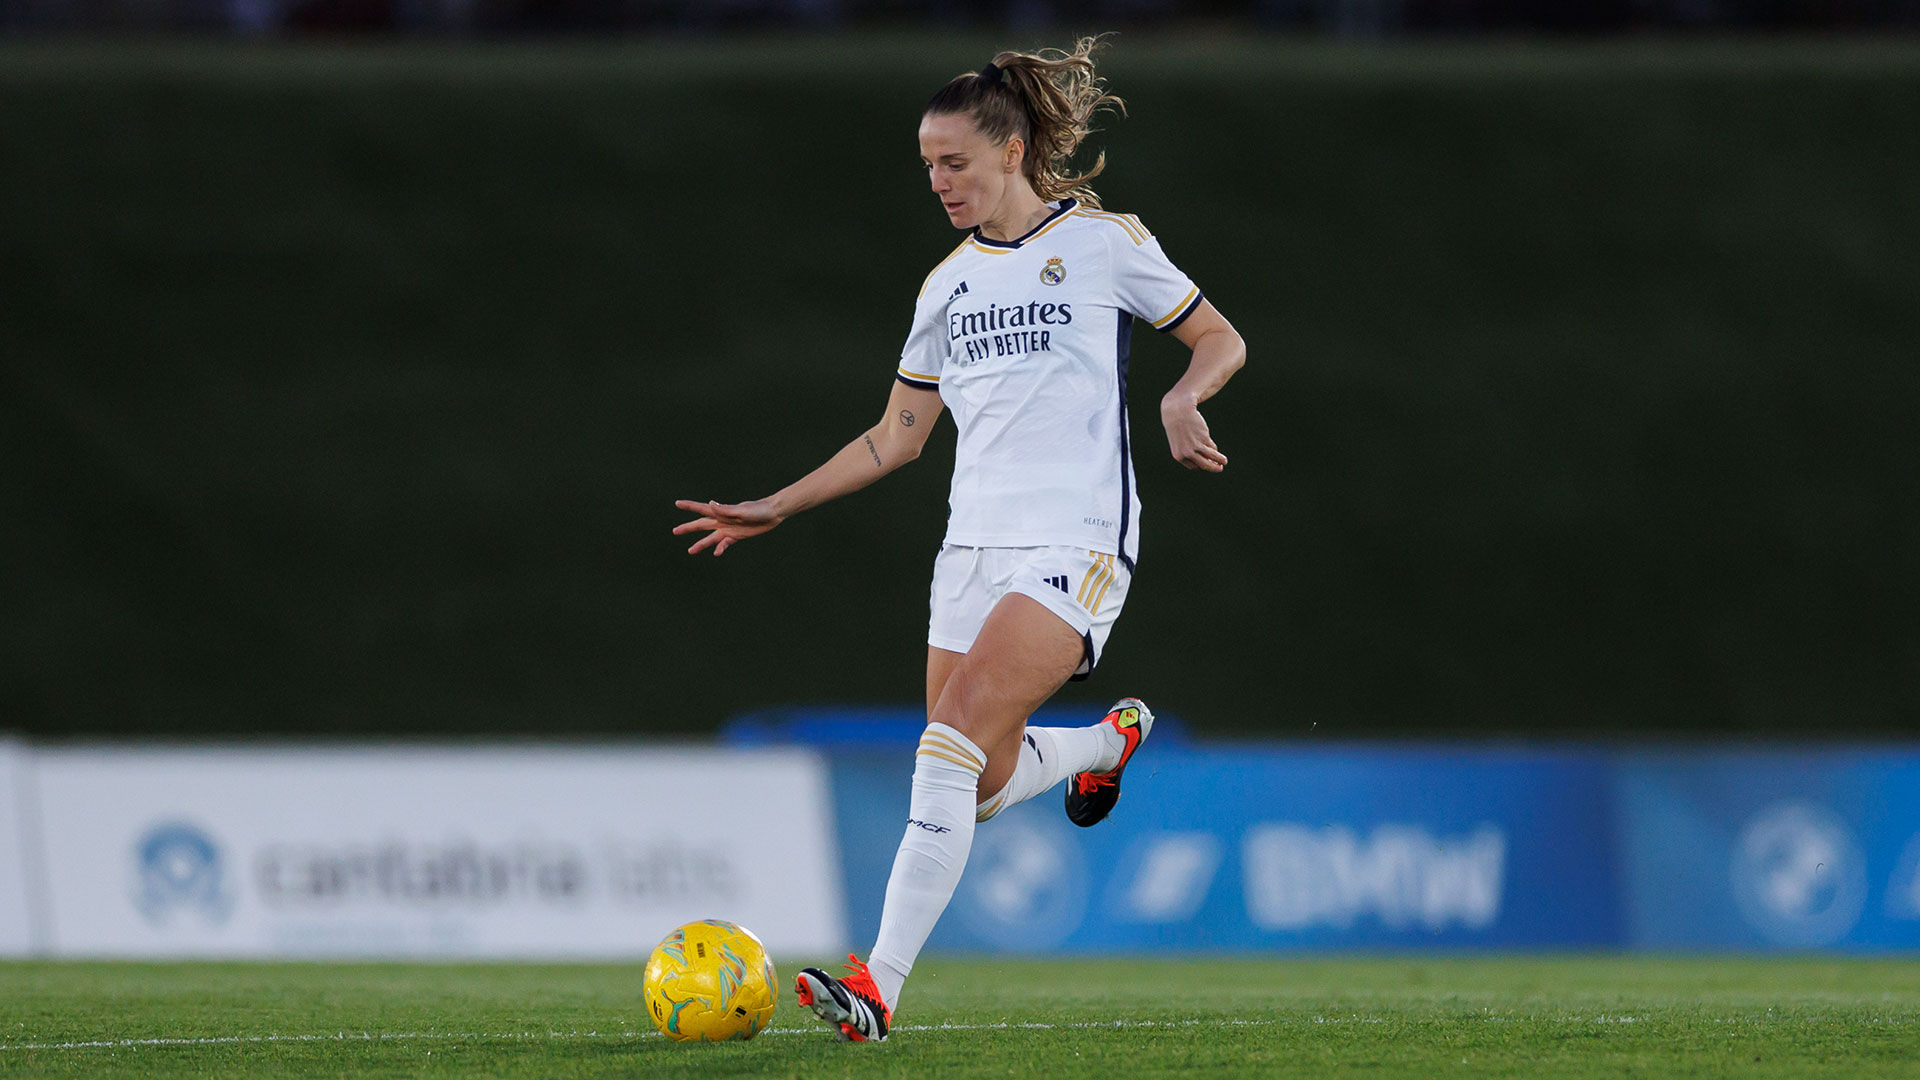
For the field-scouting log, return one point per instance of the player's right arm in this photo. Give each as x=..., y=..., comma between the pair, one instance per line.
x=897, y=439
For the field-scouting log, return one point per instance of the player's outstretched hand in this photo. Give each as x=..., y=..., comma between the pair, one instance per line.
x=726, y=523
x=1188, y=438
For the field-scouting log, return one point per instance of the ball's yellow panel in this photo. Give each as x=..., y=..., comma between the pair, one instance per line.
x=710, y=981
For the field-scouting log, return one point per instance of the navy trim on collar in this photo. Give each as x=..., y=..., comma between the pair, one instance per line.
x=1066, y=207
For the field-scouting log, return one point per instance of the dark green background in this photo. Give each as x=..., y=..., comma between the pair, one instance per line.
x=345, y=390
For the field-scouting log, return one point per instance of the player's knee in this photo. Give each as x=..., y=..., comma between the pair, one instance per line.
x=960, y=707
x=968, y=707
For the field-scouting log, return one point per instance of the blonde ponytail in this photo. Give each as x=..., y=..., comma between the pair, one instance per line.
x=1047, y=100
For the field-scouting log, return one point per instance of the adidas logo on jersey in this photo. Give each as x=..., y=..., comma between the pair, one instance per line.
x=961, y=291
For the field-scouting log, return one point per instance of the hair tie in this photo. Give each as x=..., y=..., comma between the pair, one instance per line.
x=989, y=74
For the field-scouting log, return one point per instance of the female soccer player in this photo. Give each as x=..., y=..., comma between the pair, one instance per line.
x=1023, y=332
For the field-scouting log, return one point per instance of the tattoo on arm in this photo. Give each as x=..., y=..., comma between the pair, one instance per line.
x=906, y=418
x=871, y=450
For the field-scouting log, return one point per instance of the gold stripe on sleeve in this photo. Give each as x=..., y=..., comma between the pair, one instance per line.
x=1177, y=308
x=917, y=375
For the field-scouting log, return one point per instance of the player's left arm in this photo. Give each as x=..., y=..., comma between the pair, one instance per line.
x=1218, y=352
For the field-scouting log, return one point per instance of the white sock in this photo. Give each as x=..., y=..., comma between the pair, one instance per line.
x=1049, y=755
x=946, y=777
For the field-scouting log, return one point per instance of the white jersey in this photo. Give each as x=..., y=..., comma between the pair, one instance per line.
x=1026, y=340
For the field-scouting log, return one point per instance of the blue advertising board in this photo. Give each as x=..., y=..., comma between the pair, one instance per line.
x=1251, y=847
x=1779, y=849
x=1269, y=846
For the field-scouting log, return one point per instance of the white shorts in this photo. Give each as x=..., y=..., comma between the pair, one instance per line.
x=1085, y=588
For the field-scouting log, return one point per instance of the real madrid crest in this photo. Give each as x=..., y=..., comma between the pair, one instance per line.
x=1053, y=273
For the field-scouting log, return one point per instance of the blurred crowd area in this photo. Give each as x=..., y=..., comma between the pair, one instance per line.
x=1334, y=18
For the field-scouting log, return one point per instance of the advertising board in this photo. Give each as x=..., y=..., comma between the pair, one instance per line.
x=507, y=852
x=17, y=917
x=1261, y=847
x=1782, y=849
x=596, y=852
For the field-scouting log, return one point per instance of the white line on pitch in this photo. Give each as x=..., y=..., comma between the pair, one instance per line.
x=563, y=1036
x=559, y=1036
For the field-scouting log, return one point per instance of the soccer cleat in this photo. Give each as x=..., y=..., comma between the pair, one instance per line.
x=852, y=1004
x=1090, y=796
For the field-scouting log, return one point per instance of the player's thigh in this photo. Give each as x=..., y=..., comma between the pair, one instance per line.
x=940, y=665
x=1023, y=654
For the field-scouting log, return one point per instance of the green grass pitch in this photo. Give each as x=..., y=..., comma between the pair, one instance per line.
x=1378, y=1016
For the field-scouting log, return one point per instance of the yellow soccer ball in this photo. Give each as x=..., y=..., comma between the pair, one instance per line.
x=710, y=981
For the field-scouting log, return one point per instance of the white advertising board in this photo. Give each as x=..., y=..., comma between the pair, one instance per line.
x=16, y=919
x=496, y=852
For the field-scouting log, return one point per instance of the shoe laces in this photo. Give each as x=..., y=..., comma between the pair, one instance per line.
x=1089, y=783
x=861, y=982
